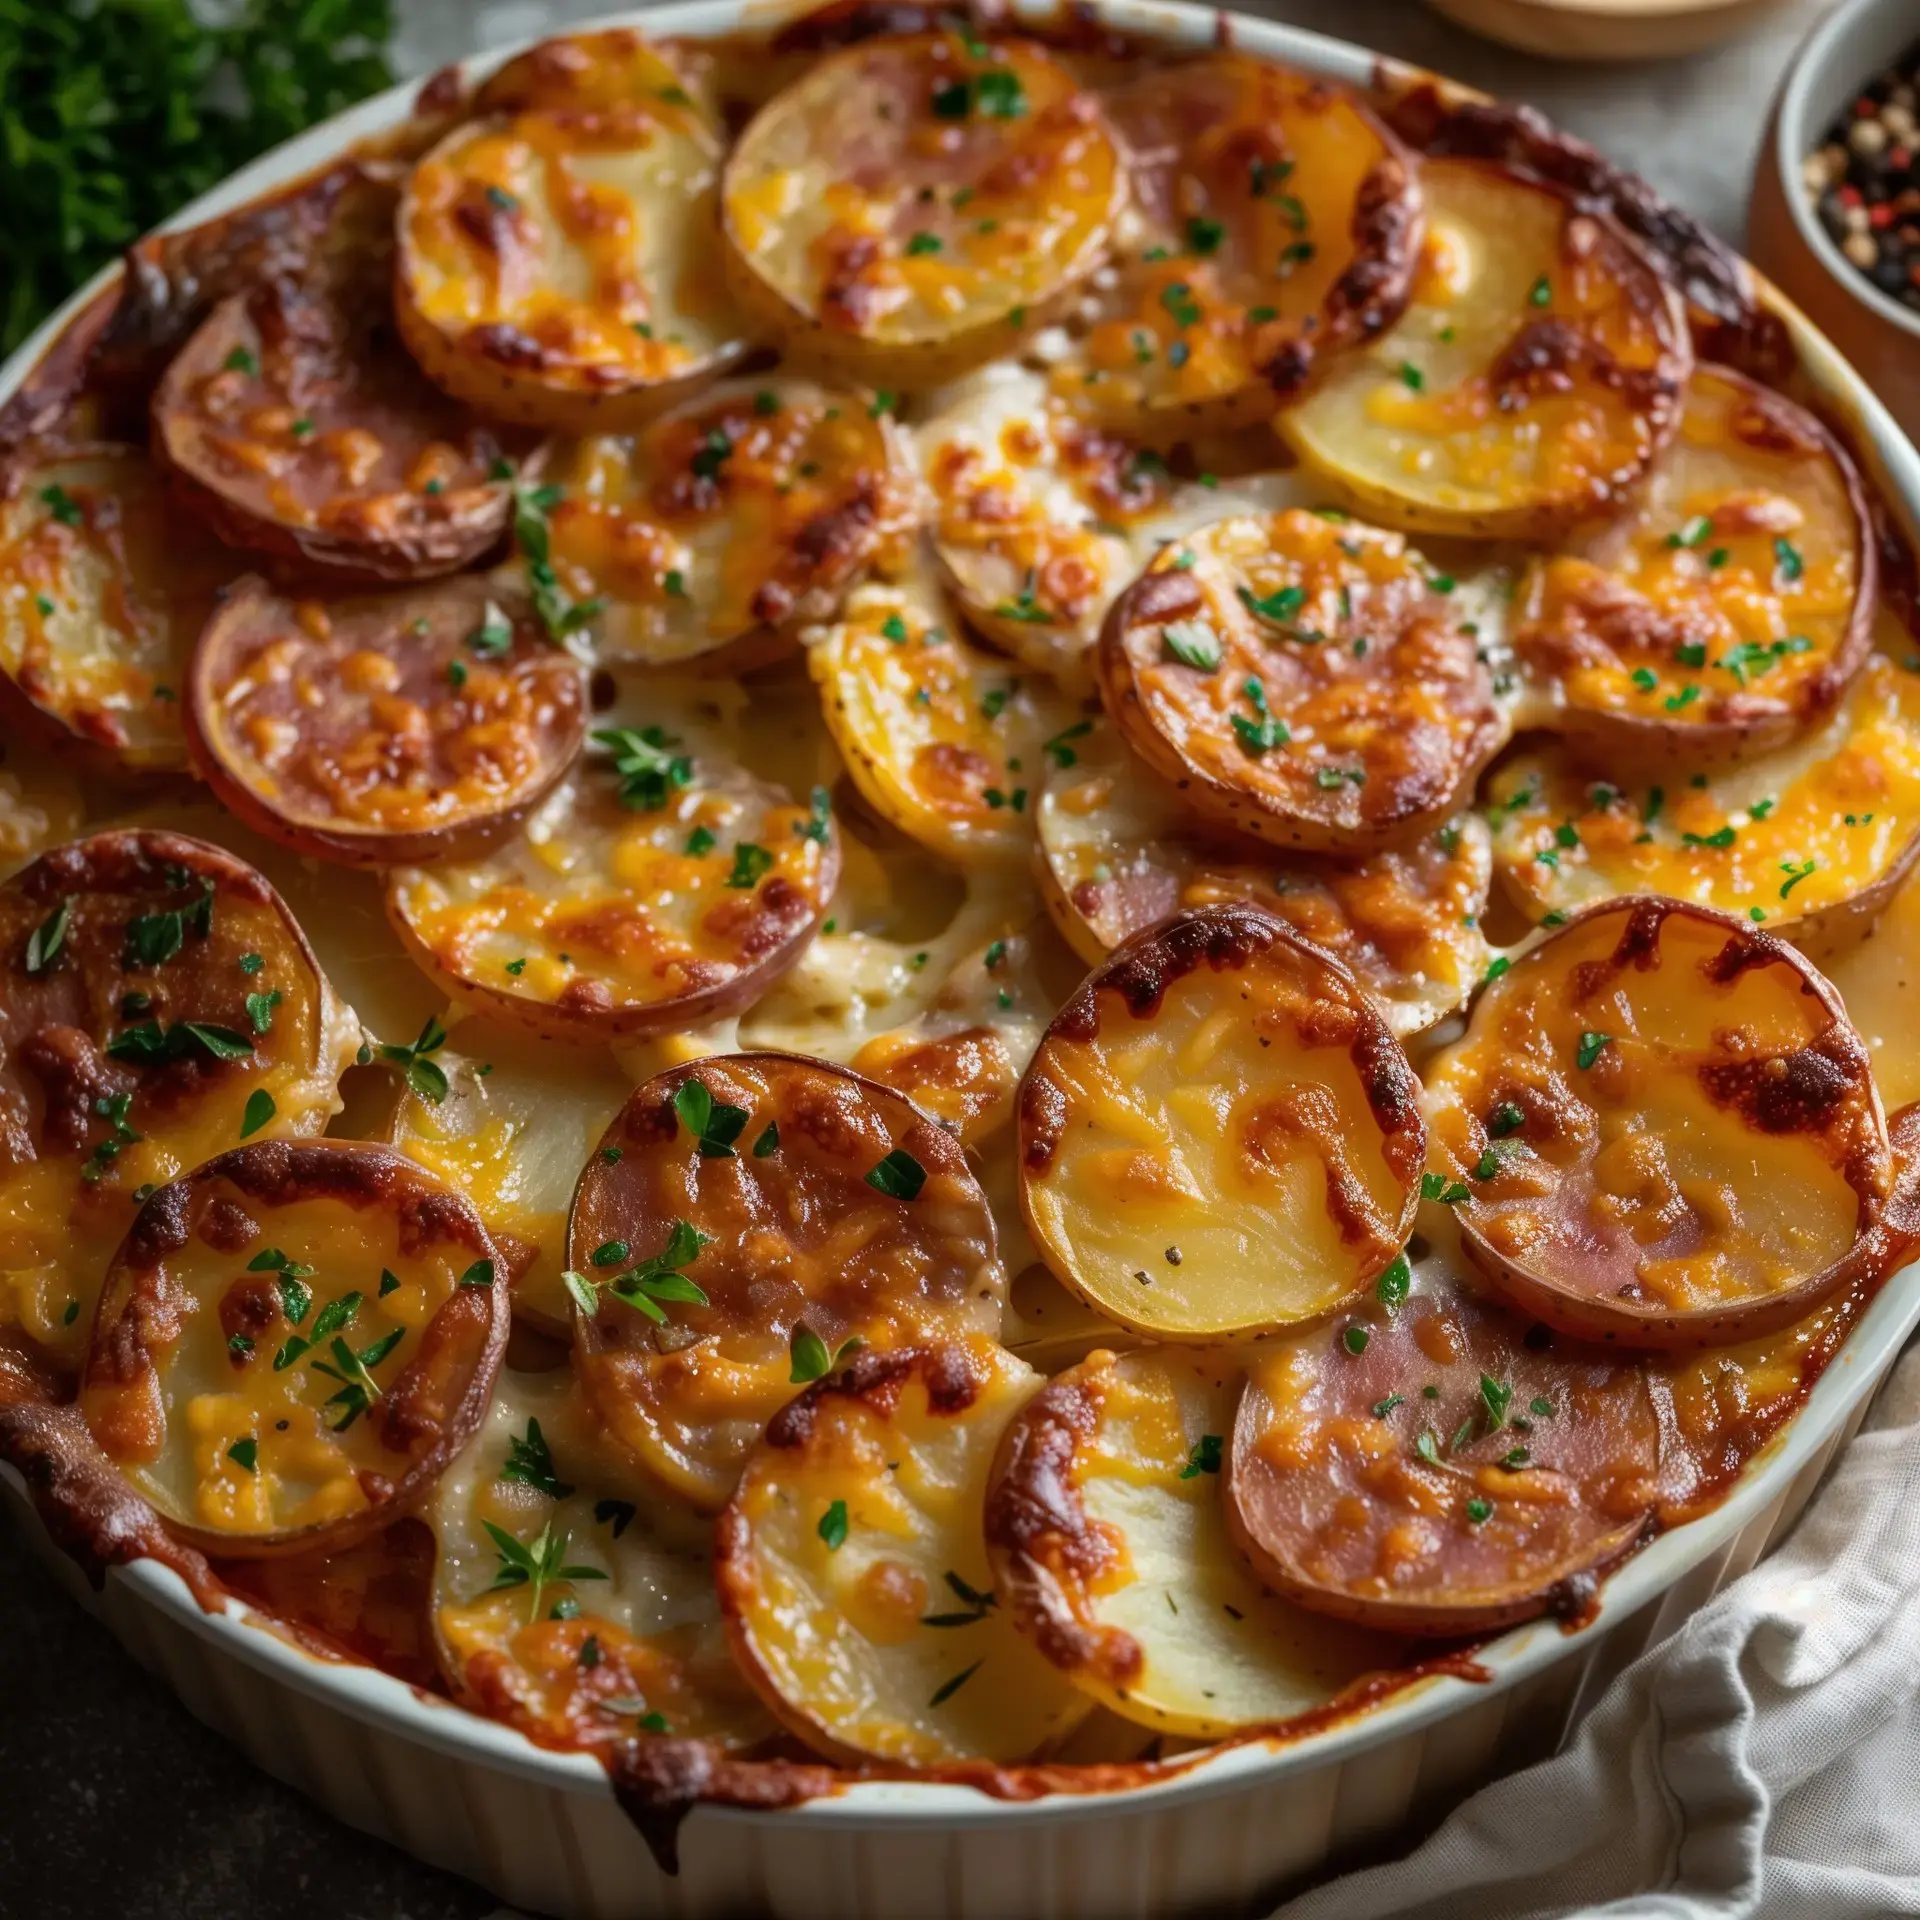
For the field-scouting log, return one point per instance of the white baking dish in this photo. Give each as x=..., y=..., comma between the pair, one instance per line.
x=543, y=1829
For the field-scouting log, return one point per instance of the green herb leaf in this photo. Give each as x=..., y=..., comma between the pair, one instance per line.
x=260, y=1109
x=46, y=940
x=1205, y=1457
x=832, y=1527
x=900, y=1176
x=530, y=1463
x=1591, y=1047
x=1393, y=1286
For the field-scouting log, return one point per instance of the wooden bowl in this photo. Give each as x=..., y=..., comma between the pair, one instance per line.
x=1786, y=239
x=1607, y=29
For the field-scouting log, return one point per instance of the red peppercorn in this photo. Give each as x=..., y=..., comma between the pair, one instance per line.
x=1880, y=216
x=1850, y=196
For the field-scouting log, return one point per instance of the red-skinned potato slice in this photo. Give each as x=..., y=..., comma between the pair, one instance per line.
x=1660, y=1129
x=103, y=586
x=633, y=1643
x=1041, y=517
x=159, y=1005
x=723, y=527
x=1118, y=854
x=1109, y=1542
x=292, y=1343
x=1729, y=608
x=1219, y=1135
x=511, y=1132
x=1304, y=680
x=844, y=238
x=1810, y=841
x=942, y=739
x=1530, y=382
x=558, y=253
x=382, y=729
x=1279, y=223
x=1445, y=1477
x=659, y=886
x=852, y=1566
x=816, y=1208
x=295, y=424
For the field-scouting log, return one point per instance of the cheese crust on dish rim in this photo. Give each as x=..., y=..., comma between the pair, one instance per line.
x=1032, y=784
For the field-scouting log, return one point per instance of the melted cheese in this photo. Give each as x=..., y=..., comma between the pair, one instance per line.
x=1440, y=424
x=103, y=589
x=854, y=1572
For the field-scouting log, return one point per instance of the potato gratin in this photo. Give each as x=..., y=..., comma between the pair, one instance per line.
x=628, y=652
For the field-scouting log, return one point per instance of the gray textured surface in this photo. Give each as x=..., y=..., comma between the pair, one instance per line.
x=113, y=1800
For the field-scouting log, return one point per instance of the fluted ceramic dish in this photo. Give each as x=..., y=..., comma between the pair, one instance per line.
x=1230, y=1835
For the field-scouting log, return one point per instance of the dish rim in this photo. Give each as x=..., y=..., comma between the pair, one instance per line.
x=378, y=1699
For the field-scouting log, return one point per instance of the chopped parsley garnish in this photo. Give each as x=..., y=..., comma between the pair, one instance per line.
x=1786, y=557
x=920, y=243
x=1590, y=1048
x=260, y=1109
x=895, y=629
x=1436, y=1186
x=1280, y=607
x=1395, y=1283
x=1540, y=294
x=150, y=1045
x=1721, y=837
x=424, y=1076
x=1263, y=732
x=1057, y=749
x=700, y=841
x=558, y=613
x=1193, y=643
x=1479, y=1510
x=899, y=1176
x=714, y=1125
x=1204, y=236
x=245, y=1454
x=1795, y=870
x=649, y=774
x=1411, y=377
x=832, y=1526
x=354, y=1371
x=1177, y=298
x=810, y=1358
x=46, y=940
x=712, y=454
x=768, y=1143
x=814, y=826
x=530, y=1463
x=651, y=1284
x=1355, y=1338
x=60, y=504
x=1205, y=1456
x=535, y=1567
x=493, y=636
x=260, y=1009
x=1691, y=532
x=751, y=865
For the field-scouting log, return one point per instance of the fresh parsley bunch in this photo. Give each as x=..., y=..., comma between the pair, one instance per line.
x=115, y=113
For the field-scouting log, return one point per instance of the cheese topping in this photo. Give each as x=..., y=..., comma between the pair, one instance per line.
x=1121, y=855
x=1533, y=378
x=103, y=589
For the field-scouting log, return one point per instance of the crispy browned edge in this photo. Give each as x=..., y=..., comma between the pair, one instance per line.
x=1869, y=1168
x=121, y=339
x=361, y=1174
x=1641, y=739
x=250, y=598
x=1152, y=600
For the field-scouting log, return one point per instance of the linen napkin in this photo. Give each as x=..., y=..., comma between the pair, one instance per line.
x=1762, y=1760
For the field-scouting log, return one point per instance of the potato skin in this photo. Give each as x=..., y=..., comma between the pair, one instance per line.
x=461, y=746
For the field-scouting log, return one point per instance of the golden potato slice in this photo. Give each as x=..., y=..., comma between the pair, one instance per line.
x=658, y=886
x=1041, y=517
x=1304, y=679
x=1728, y=609
x=723, y=527
x=1427, y=1468
x=1531, y=382
x=103, y=587
x=294, y=424
x=558, y=253
x=1810, y=841
x=1119, y=854
x=744, y=1220
x=292, y=1342
x=1660, y=1129
x=384, y=728
x=1279, y=223
x=1109, y=1541
x=1877, y=979
x=512, y=1131
x=1219, y=1135
x=160, y=1004
x=942, y=739
x=911, y=204
x=567, y=1610
x=852, y=1566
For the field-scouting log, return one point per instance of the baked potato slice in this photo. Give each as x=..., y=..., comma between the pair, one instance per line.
x=292, y=1342
x=719, y=530
x=1040, y=517
x=942, y=740
x=1660, y=1129
x=746, y=1218
x=1728, y=608
x=1118, y=853
x=158, y=1004
x=103, y=586
x=294, y=424
x=512, y=1131
x=566, y=1610
x=1219, y=1135
x=913, y=203
x=1531, y=381
x=660, y=885
x=1876, y=978
x=1304, y=679
x=1428, y=1468
x=852, y=1566
x=386, y=728
x=1810, y=841
x=1277, y=223
x=557, y=259
x=1109, y=1543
